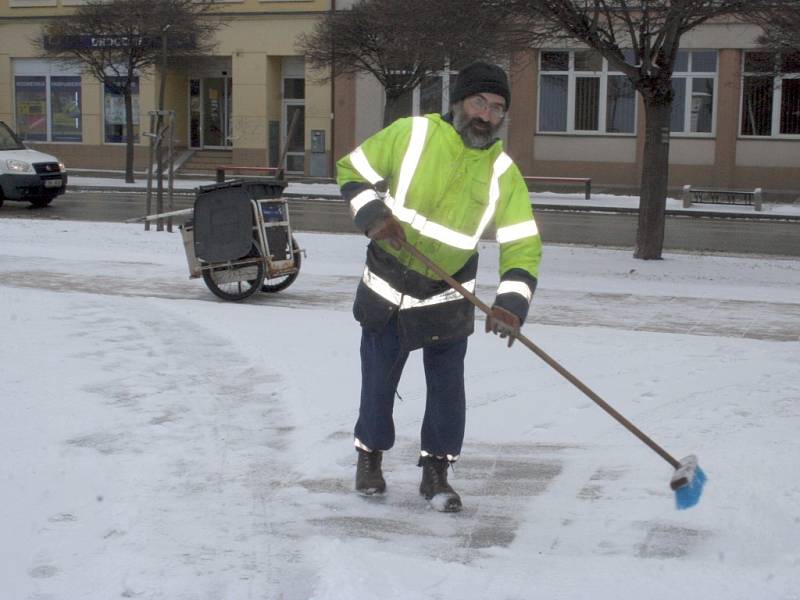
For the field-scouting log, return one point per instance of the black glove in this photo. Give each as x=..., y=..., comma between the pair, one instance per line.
x=387, y=228
x=504, y=323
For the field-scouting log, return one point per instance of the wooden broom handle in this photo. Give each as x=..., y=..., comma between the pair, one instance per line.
x=477, y=302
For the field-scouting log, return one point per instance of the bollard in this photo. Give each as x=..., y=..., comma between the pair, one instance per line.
x=687, y=196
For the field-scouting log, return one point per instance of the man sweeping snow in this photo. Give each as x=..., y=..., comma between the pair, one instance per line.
x=436, y=182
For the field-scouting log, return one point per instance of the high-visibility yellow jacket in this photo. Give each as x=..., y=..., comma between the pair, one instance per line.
x=445, y=194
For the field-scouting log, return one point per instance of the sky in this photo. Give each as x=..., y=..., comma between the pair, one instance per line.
x=160, y=443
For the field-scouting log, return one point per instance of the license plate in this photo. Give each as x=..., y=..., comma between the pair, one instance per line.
x=51, y=183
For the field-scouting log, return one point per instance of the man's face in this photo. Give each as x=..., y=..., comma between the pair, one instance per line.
x=478, y=118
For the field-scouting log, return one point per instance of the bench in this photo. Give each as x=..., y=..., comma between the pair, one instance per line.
x=221, y=169
x=720, y=196
x=586, y=181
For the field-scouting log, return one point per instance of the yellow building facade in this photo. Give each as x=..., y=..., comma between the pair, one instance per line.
x=733, y=126
x=238, y=102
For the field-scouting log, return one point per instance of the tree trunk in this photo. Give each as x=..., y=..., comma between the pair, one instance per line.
x=391, y=109
x=128, y=135
x=655, y=174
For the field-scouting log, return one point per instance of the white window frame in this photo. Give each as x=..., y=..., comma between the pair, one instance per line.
x=777, y=87
x=689, y=76
x=445, y=74
x=572, y=75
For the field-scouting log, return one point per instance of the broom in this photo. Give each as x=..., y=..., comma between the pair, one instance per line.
x=688, y=479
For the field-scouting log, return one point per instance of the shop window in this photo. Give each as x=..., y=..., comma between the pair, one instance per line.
x=579, y=93
x=65, y=109
x=48, y=107
x=771, y=94
x=114, y=112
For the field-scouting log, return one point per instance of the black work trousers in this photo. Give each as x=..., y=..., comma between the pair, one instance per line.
x=382, y=362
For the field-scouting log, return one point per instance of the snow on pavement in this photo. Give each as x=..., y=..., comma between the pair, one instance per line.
x=160, y=443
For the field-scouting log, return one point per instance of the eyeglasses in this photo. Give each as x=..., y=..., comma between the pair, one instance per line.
x=480, y=104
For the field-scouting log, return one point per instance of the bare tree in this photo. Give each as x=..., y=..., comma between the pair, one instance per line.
x=403, y=43
x=115, y=40
x=781, y=26
x=640, y=38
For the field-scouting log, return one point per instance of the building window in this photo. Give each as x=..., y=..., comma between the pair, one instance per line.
x=30, y=94
x=430, y=96
x=65, y=109
x=402, y=106
x=771, y=94
x=48, y=107
x=579, y=93
x=694, y=82
x=114, y=112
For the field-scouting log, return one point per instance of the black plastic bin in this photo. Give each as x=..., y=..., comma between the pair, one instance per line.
x=223, y=217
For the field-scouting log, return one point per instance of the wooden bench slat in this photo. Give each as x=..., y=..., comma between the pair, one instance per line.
x=586, y=181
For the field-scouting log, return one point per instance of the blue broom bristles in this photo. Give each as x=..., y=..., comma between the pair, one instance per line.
x=688, y=495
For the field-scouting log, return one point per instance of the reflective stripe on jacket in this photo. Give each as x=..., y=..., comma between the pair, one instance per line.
x=445, y=195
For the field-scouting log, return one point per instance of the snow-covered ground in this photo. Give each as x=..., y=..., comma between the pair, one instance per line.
x=158, y=443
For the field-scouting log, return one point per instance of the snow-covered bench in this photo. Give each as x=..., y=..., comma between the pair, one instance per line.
x=586, y=181
x=721, y=196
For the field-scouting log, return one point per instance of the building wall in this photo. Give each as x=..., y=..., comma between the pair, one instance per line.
x=722, y=158
x=36, y=8
x=255, y=36
x=370, y=100
x=344, y=110
x=258, y=34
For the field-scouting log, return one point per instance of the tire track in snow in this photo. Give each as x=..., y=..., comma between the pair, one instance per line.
x=778, y=321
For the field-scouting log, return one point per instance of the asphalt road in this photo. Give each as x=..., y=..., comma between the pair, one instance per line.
x=697, y=234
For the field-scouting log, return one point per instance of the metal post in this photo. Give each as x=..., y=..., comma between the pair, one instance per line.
x=160, y=127
x=171, y=167
x=149, y=198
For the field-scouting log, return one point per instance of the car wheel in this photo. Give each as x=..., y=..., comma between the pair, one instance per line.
x=41, y=201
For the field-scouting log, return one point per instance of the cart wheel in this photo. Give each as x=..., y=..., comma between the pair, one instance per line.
x=223, y=281
x=276, y=284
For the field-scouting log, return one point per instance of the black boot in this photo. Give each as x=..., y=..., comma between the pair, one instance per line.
x=434, y=485
x=369, y=477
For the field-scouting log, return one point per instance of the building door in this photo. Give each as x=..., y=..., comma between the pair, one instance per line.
x=295, y=113
x=294, y=109
x=210, y=112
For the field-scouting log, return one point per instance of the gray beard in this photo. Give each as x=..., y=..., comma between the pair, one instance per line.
x=474, y=132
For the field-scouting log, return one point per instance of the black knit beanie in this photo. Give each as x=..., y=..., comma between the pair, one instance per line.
x=481, y=77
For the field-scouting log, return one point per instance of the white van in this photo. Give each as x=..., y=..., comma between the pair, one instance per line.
x=28, y=175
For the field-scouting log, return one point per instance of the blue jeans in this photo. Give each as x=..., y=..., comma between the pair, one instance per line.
x=382, y=362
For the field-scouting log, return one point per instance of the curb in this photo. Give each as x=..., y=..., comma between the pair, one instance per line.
x=760, y=216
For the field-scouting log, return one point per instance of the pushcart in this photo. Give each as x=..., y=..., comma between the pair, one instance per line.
x=238, y=238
